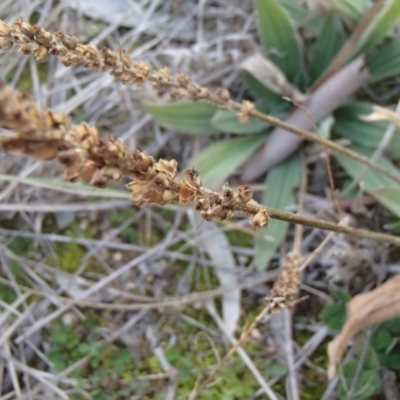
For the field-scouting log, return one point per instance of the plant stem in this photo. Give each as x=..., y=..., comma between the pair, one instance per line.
x=319, y=223
x=316, y=139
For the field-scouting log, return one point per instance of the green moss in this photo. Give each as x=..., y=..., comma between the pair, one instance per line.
x=22, y=247
x=69, y=256
x=239, y=238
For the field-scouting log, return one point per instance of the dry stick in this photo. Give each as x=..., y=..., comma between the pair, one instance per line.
x=155, y=305
x=287, y=315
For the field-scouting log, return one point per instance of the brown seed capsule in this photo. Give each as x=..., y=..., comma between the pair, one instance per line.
x=227, y=193
x=193, y=177
x=245, y=109
x=260, y=220
x=207, y=215
x=220, y=212
x=169, y=167
x=203, y=204
x=223, y=94
x=187, y=193
x=160, y=181
x=245, y=193
x=168, y=196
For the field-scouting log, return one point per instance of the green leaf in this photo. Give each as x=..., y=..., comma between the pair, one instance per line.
x=340, y=294
x=354, y=9
x=364, y=379
x=379, y=27
x=333, y=316
x=281, y=182
x=327, y=45
x=367, y=133
x=228, y=121
x=303, y=16
x=392, y=360
x=59, y=360
x=381, y=339
x=392, y=325
x=385, y=62
x=187, y=117
x=279, y=37
x=219, y=160
x=262, y=94
x=379, y=186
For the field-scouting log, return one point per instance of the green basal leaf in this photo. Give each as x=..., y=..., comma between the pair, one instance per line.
x=385, y=62
x=187, y=117
x=379, y=27
x=302, y=16
x=219, y=160
x=379, y=186
x=262, y=94
x=280, y=184
x=354, y=9
x=296, y=11
x=366, y=133
x=228, y=121
x=279, y=37
x=328, y=43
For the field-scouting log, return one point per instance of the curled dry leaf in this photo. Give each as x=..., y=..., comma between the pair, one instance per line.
x=374, y=307
x=272, y=77
x=382, y=113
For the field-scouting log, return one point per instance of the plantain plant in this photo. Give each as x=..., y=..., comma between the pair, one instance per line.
x=319, y=59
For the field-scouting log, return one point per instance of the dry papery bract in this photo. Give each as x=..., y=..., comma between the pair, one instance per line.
x=101, y=160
